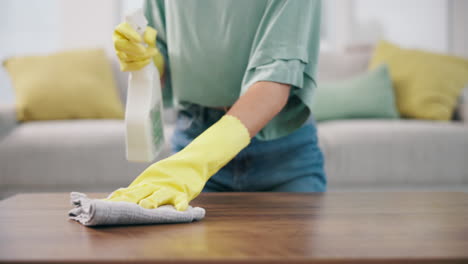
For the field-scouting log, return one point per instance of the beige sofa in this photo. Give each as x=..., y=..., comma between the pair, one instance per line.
x=391, y=154
x=89, y=155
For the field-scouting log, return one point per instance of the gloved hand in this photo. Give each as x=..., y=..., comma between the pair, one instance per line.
x=180, y=178
x=132, y=52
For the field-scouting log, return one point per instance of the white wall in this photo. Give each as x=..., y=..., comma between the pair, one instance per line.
x=338, y=20
x=421, y=24
x=458, y=23
x=88, y=23
x=415, y=23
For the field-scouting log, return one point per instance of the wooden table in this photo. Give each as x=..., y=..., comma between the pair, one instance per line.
x=419, y=227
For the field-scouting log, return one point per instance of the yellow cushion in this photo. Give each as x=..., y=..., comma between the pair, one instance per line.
x=66, y=85
x=427, y=85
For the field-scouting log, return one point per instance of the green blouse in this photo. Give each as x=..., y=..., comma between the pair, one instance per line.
x=216, y=49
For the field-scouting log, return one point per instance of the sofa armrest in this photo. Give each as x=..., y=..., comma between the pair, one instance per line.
x=8, y=119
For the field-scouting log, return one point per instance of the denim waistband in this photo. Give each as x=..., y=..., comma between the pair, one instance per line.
x=208, y=115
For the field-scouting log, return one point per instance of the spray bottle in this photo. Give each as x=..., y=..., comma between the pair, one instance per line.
x=144, y=135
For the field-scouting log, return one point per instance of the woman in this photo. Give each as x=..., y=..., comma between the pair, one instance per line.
x=241, y=74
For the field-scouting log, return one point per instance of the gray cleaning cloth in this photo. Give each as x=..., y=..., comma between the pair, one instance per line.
x=94, y=212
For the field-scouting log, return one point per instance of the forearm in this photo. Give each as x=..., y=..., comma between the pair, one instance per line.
x=263, y=101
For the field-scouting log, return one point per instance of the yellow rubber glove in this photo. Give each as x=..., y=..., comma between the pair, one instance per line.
x=180, y=178
x=135, y=52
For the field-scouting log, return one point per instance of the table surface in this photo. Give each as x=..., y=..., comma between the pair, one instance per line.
x=336, y=227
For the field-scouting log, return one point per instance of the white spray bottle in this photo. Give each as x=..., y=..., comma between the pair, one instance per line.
x=143, y=115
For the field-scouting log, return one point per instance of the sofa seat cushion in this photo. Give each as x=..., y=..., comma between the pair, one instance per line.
x=66, y=153
x=401, y=153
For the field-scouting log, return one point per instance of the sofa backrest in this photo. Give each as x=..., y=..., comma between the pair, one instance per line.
x=335, y=66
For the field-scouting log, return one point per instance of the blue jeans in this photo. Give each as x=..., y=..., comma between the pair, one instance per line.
x=293, y=163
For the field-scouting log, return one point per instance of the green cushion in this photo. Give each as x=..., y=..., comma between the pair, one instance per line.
x=369, y=95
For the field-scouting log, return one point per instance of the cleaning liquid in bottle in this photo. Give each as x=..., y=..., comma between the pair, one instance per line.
x=144, y=135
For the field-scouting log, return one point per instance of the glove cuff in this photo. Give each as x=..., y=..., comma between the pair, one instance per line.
x=218, y=145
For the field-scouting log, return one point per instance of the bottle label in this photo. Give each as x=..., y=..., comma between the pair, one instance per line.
x=157, y=125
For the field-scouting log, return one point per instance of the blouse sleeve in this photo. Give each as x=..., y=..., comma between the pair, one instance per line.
x=285, y=50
